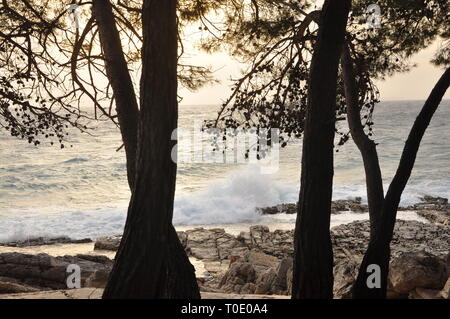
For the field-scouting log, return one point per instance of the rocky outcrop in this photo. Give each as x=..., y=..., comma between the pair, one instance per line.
x=440, y=217
x=411, y=242
x=353, y=205
x=430, y=203
x=337, y=206
x=230, y=260
x=412, y=238
x=45, y=272
x=351, y=240
x=278, y=243
x=278, y=209
x=435, y=209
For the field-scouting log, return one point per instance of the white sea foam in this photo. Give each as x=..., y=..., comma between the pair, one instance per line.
x=232, y=199
x=228, y=203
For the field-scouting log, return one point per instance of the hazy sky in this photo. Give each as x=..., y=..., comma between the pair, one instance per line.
x=414, y=85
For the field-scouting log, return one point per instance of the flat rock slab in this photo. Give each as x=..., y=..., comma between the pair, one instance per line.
x=96, y=293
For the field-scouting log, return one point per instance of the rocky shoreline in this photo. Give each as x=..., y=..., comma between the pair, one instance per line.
x=259, y=261
x=433, y=209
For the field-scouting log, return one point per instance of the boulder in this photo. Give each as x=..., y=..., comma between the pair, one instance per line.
x=216, y=267
x=213, y=244
x=268, y=275
x=228, y=246
x=345, y=274
x=239, y=274
x=46, y=272
x=98, y=278
x=260, y=260
x=278, y=243
x=266, y=282
x=280, y=286
x=108, y=243
x=201, y=243
x=279, y=209
x=259, y=234
x=413, y=270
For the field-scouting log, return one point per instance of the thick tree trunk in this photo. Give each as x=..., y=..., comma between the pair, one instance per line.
x=313, y=265
x=378, y=252
x=119, y=77
x=151, y=262
x=367, y=147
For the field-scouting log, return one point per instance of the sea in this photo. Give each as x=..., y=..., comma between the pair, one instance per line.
x=81, y=191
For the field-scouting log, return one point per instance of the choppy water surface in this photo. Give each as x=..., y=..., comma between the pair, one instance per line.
x=82, y=191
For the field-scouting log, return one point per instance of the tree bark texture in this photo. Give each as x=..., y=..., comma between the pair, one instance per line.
x=313, y=258
x=151, y=262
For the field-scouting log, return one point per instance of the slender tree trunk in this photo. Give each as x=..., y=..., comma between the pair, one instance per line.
x=378, y=252
x=151, y=262
x=119, y=77
x=313, y=265
x=367, y=147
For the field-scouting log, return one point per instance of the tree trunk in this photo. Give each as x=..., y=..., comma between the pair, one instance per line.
x=367, y=147
x=378, y=252
x=119, y=77
x=313, y=265
x=151, y=262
